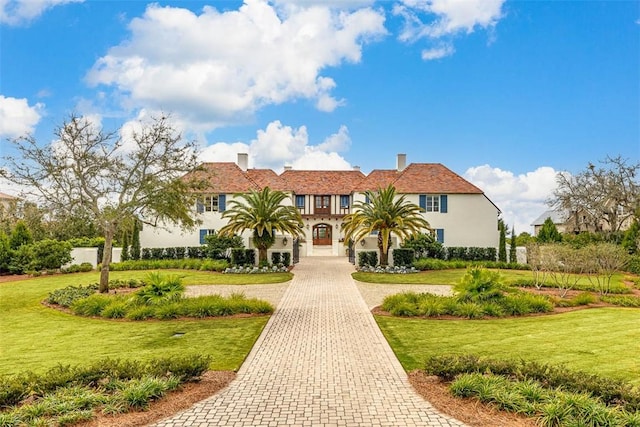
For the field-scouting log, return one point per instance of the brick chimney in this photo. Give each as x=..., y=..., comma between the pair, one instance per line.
x=401, y=162
x=243, y=161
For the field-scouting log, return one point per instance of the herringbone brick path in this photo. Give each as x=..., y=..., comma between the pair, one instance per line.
x=320, y=361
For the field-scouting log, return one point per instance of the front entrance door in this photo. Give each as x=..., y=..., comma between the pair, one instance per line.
x=321, y=234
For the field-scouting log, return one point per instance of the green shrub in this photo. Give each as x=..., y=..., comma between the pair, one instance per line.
x=90, y=306
x=160, y=289
x=168, y=311
x=584, y=298
x=276, y=258
x=50, y=254
x=622, y=301
x=403, y=257
x=286, y=259
x=115, y=310
x=367, y=258
x=478, y=285
x=66, y=296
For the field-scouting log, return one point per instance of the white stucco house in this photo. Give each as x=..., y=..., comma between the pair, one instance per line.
x=459, y=212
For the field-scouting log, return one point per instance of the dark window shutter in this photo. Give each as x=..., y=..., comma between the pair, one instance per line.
x=440, y=235
x=203, y=234
x=443, y=203
x=222, y=202
x=423, y=202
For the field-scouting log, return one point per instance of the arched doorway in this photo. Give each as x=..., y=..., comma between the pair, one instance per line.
x=322, y=235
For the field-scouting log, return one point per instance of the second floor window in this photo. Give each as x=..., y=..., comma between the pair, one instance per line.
x=323, y=204
x=437, y=203
x=211, y=203
x=300, y=202
x=344, y=202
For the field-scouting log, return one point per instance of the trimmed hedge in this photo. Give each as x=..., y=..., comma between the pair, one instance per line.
x=185, y=264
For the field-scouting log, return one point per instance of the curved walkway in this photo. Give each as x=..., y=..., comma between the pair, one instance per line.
x=320, y=361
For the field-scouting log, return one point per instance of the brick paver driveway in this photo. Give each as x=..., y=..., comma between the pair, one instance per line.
x=320, y=361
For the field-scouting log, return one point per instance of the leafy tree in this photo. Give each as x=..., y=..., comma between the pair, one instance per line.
x=113, y=178
x=513, y=251
x=631, y=239
x=20, y=235
x=5, y=252
x=523, y=239
x=502, y=246
x=135, y=240
x=262, y=213
x=50, y=254
x=549, y=233
x=124, y=255
x=609, y=194
x=385, y=214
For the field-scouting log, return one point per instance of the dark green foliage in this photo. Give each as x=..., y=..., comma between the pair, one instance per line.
x=196, y=252
x=187, y=264
x=78, y=268
x=135, y=241
x=276, y=258
x=479, y=284
x=160, y=289
x=367, y=258
x=502, y=245
x=66, y=296
x=243, y=257
x=549, y=233
x=50, y=254
x=5, y=252
x=633, y=265
x=169, y=253
x=631, y=239
x=218, y=246
x=250, y=256
x=286, y=259
x=424, y=246
x=124, y=255
x=21, y=260
x=608, y=390
x=102, y=373
x=20, y=235
x=157, y=253
x=403, y=257
x=513, y=251
x=471, y=253
x=180, y=252
x=146, y=253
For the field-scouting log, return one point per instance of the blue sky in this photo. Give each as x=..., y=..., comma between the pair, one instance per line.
x=505, y=93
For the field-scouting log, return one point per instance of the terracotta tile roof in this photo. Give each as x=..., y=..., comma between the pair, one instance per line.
x=267, y=178
x=432, y=178
x=224, y=177
x=322, y=182
x=416, y=178
x=377, y=179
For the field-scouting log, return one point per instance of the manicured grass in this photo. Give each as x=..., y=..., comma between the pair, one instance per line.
x=603, y=341
x=35, y=337
x=451, y=277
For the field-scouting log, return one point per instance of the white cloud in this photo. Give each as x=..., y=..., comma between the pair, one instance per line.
x=438, y=19
x=437, y=52
x=16, y=12
x=279, y=145
x=522, y=198
x=17, y=117
x=218, y=67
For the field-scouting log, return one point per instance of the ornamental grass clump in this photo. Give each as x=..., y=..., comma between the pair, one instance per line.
x=161, y=289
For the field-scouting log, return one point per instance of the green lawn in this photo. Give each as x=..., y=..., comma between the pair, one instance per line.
x=604, y=341
x=35, y=337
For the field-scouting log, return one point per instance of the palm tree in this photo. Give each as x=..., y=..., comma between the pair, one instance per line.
x=386, y=214
x=263, y=213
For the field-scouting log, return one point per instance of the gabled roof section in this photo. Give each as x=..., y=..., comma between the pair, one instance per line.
x=322, y=182
x=433, y=178
x=377, y=179
x=420, y=178
x=223, y=177
x=557, y=216
x=267, y=178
